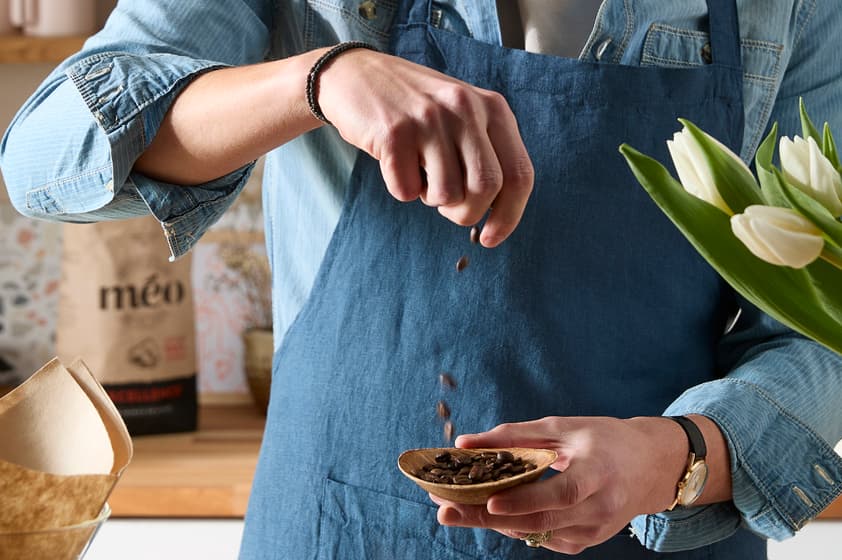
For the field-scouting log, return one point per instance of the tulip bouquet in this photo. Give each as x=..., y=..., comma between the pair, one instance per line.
x=776, y=238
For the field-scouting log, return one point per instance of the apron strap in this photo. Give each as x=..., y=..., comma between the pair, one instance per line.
x=724, y=33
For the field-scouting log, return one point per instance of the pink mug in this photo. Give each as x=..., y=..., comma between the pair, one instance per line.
x=52, y=18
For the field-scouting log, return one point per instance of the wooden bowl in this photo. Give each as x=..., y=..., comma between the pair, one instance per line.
x=473, y=494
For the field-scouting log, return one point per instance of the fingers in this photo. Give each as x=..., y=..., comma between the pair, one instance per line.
x=576, y=528
x=558, y=542
x=535, y=433
x=518, y=176
x=440, y=161
x=564, y=490
x=483, y=176
x=399, y=167
x=578, y=524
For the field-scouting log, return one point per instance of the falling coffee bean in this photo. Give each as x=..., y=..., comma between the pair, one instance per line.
x=448, y=431
x=443, y=410
x=475, y=235
x=462, y=263
x=447, y=381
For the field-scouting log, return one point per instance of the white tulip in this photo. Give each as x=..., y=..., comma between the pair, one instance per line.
x=693, y=170
x=778, y=236
x=806, y=168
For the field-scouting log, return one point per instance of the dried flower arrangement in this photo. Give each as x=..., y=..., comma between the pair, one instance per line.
x=252, y=278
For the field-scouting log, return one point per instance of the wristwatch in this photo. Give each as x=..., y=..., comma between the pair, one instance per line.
x=692, y=484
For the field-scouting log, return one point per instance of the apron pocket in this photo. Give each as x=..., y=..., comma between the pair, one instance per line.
x=361, y=523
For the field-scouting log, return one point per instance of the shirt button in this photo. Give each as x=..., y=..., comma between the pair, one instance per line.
x=600, y=50
x=368, y=9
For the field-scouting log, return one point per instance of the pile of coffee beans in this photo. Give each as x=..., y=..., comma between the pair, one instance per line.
x=464, y=468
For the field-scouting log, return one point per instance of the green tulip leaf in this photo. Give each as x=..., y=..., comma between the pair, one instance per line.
x=787, y=294
x=829, y=147
x=825, y=277
x=766, y=150
x=811, y=209
x=808, y=129
x=769, y=187
x=735, y=183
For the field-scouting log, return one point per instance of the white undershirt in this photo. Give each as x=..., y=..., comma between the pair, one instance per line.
x=557, y=27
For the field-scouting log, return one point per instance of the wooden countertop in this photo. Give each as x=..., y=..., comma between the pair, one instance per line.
x=17, y=48
x=207, y=473
x=834, y=511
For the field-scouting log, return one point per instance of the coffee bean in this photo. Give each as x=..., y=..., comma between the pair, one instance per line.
x=443, y=410
x=505, y=457
x=447, y=381
x=462, y=263
x=476, y=472
x=443, y=457
x=448, y=431
x=461, y=460
x=475, y=235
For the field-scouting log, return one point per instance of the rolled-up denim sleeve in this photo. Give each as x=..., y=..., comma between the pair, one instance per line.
x=779, y=410
x=68, y=153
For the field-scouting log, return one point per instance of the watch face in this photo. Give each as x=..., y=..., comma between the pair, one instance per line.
x=694, y=483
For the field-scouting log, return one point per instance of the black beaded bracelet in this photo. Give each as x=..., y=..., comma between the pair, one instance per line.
x=313, y=76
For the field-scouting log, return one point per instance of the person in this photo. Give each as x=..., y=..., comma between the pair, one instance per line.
x=583, y=321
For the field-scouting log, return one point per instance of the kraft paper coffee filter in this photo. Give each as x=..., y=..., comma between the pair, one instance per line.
x=63, y=446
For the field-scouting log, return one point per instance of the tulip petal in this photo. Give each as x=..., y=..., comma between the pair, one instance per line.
x=744, y=231
x=692, y=170
x=795, y=162
x=807, y=206
x=732, y=178
x=824, y=180
x=684, y=167
x=780, y=236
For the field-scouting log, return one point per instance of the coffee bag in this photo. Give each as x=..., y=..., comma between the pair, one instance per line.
x=128, y=312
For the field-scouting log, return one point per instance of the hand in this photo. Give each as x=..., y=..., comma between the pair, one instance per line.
x=411, y=118
x=610, y=471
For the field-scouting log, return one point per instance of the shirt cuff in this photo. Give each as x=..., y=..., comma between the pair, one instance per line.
x=186, y=213
x=783, y=473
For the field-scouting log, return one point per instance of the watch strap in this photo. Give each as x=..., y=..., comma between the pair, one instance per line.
x=694, y=435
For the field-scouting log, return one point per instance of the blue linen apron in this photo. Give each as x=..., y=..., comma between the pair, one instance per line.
x=596, y=305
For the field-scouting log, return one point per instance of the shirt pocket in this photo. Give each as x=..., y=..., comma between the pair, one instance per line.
x=328, y=22
x=360, y=523
x=674, y=47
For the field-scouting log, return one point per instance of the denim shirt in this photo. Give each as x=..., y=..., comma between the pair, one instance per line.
x=69, y=152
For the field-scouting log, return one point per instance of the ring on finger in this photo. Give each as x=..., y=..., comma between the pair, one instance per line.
x=535, y=540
